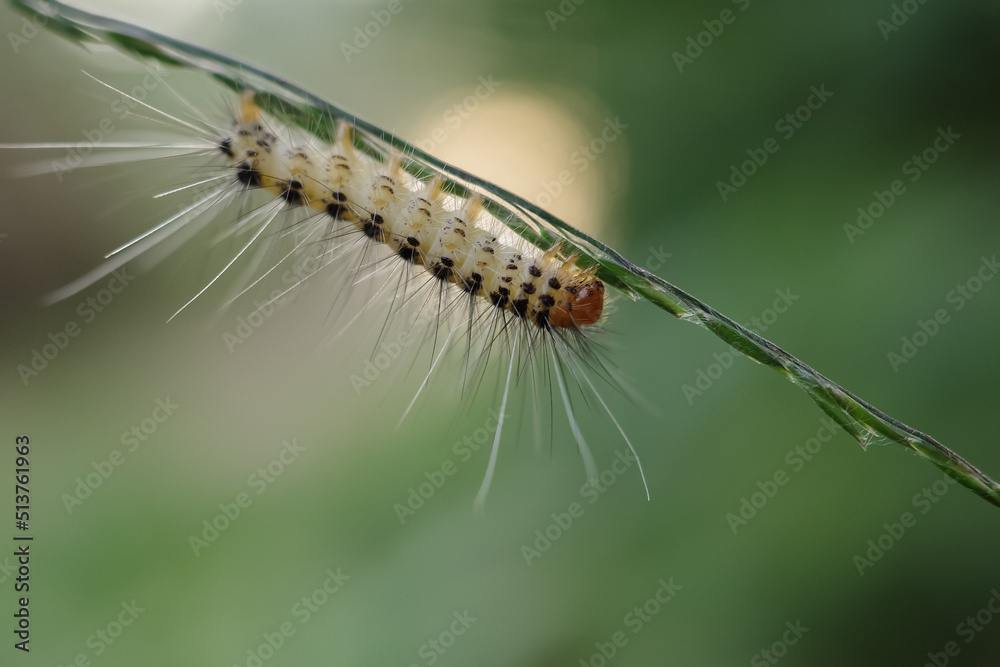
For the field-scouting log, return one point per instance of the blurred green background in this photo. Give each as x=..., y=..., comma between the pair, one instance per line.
x=652, y=194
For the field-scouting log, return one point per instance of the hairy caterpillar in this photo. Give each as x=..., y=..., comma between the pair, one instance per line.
x=541, y=292
x=462, y=195
x=373, y=214
x=545, y=290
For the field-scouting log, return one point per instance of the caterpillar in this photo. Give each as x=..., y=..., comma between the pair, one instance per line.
x=541, y=291
x=416, y=225
x=510, y=272
x=370, y=212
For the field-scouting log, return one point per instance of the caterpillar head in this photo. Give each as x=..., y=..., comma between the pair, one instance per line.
x=583, y=306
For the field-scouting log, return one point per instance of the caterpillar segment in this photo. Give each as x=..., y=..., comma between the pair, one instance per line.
x=546, y=289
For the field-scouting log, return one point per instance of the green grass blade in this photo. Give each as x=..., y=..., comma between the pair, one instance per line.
x=296, y=106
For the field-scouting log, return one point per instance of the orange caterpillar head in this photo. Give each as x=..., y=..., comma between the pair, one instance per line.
x=584, y=305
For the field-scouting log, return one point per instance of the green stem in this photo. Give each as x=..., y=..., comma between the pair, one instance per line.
x=297, y=106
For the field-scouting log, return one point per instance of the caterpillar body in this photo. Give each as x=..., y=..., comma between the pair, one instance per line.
x=544, y=289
